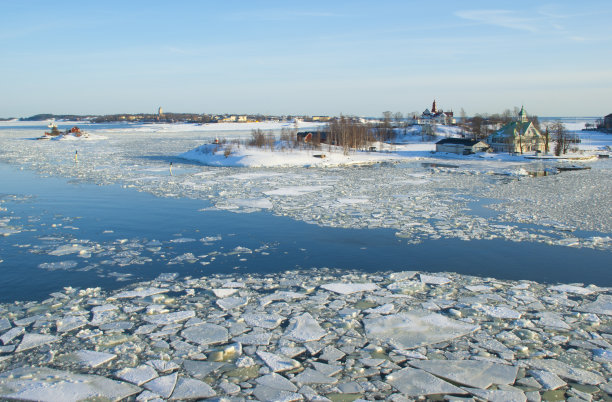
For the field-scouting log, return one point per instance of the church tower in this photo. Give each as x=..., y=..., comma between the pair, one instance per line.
x=433, y=107
x=522, y=116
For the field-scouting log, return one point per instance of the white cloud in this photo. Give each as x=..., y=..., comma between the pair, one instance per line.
x=502, y=18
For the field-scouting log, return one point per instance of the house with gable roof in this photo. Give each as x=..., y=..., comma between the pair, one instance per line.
x=518, y=136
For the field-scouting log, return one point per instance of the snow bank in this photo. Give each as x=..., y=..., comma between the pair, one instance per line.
x=230, y=155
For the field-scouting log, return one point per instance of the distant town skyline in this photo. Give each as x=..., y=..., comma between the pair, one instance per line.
x=316, y=58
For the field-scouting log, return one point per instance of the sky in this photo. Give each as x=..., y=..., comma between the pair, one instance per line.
x=307, y=58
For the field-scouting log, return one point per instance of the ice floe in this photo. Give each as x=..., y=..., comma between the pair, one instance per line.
x=292, y=338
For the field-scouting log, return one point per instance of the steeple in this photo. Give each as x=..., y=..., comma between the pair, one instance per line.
x=522, y=116
x=433, y=107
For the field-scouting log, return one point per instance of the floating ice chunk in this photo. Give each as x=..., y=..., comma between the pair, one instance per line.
x=44, y=384
x=295, y=190
x=170, y=318
x=162, y=386
x=70, y=322
x=60, y=265
x=137, y=375
x=603, y=354
x=434, y=280
x=11, y=334
x=349, y=288
x=267, y=394
x=572, y=289
x=260, y=339
x=278, y=363
x=267, y=321
x=310, y=376
x=603, y=305
x=206, y=334
x=201, y=369
x=564, y=370
x=276, y=381
x=331, y=354
x=552, y=320
x=31, y=341
x=90, y=358
x=384, y=309
x=282, y=295
x=415, y=382
x=167, y=276
x=4, y=324
x=473, y=373
x=71, y=249
x=304, y=328
x=233, y=284
x=163, y=366
x=148, y=396
x=143, y=292
x=117, y=326
x=224, y=292
x=245, y=361
x=414, y=329
x=479, y=288
x=403, y=275
x=499, y=395
x=182, y=240
x=499, y=311
x=230, y=303
x=547, y=380
x=188, y=389
x=327, y=369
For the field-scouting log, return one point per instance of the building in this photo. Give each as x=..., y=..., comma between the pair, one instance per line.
x=518, y=136
x=607, y=123
x=160, y=112
x=435, y=116
x=461, y=146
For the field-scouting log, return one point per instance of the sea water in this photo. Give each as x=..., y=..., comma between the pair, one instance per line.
x=84, y=235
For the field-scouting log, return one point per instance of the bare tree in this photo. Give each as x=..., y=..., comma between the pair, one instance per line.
x=561, y=136
x=546, y=140
x=385, y=129
x=399, y=119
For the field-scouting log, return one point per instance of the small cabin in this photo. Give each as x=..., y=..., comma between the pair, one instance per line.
x=461, y=146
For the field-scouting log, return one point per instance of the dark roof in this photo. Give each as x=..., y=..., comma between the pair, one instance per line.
x=461, y=141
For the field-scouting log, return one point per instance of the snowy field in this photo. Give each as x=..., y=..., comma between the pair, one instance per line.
x=321, y=334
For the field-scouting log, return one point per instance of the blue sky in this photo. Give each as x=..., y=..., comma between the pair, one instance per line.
x=297, y=57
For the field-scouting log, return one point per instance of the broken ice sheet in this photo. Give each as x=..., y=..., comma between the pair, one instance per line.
x=44, y=384
x=348, y=288
x=267, y=321
x=206, y=334
x=603, y=305
x=304, y=328
x=137, y=375
x=30, y=341
x=90, y=358
x=278, y=363
x=473, y=373
x=415, y=382
x=415, y=329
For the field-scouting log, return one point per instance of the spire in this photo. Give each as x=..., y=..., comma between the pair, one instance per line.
x=522, y=116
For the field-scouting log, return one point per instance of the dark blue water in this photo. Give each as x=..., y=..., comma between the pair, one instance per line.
x=289, y=244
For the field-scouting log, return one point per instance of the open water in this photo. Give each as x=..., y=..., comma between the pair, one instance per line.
x=123, y=226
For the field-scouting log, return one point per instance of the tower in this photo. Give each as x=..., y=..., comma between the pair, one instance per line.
x=522, y=116
x=160, y=111
x=433, y=107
